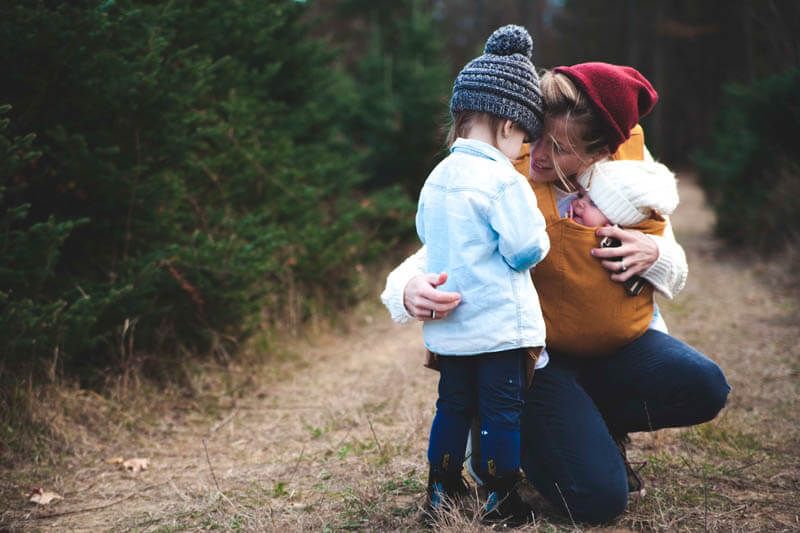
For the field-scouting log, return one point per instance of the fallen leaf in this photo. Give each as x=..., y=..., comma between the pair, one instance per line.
x=136, y=465
x=43, y=497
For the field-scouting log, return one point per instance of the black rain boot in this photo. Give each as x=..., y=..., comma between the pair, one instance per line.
x=504, y=503
x=444, y=483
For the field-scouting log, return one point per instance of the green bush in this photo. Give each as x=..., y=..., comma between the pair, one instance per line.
x=405, y=86
x=192, y=166
x=751, y=170
x=33, y=319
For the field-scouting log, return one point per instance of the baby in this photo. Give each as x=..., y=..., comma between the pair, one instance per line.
x=595, y=315
x=624, y=193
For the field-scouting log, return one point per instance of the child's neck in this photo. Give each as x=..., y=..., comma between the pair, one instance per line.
x=480, y=131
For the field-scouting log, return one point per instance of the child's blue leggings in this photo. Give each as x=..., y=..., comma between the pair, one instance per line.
x=490, y=385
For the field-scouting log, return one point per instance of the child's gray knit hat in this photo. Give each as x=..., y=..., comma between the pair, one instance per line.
x=502, y=81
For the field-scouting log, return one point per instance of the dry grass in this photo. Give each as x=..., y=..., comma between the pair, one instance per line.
x=330, y=433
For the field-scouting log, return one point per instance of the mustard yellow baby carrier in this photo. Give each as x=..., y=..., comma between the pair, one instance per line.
x=585, y=312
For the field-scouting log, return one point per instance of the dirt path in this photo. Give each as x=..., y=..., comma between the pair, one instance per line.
x=335, y=439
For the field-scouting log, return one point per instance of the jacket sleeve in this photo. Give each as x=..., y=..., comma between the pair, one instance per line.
x=520, y=226
x=668, y=274
x=396, y=281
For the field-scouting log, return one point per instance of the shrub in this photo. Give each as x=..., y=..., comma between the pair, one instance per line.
x=405, y=88
x=190, y=168
x=751, y=170
x=34, y=317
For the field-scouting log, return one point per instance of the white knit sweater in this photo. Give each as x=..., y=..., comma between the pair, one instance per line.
x=668, y=274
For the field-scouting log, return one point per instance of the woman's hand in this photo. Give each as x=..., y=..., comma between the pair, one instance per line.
x=638, y=253
x=422, y=298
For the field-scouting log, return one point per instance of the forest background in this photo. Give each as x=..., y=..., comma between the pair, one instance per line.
x=179, y=177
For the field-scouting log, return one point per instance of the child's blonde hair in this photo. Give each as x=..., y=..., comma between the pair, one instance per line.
x=463, y=121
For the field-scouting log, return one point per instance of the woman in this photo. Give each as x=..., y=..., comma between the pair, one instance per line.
x=579, y=410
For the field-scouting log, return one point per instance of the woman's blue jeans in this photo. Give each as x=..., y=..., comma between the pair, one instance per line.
x=576, y=406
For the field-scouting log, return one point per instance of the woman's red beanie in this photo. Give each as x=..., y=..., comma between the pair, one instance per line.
x=621, y=96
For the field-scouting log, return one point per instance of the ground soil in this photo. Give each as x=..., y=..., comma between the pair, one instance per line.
x=330, y=433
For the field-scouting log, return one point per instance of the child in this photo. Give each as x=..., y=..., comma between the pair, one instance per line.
x=479, y=220
x=595, y=315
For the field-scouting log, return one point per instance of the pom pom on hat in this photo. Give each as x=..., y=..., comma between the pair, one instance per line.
x=620, y=95
x=502, y=81
x=510, y=40
x=627, y=192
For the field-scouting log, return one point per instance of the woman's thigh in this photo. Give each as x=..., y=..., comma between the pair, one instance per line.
x=567, y=451
x=655, y=382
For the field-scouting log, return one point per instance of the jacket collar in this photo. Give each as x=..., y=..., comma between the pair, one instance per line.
x=479, y=149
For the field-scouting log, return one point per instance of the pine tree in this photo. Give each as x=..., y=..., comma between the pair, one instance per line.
x=404, y=81
x=193, y=172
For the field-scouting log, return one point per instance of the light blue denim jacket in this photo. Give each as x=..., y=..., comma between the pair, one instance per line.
x=479, y=220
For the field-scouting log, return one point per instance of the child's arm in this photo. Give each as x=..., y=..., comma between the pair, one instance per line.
x=520, y=226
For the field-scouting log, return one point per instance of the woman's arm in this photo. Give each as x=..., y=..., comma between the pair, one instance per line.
x=411, y=293
x=658, y=259
x=669, y=272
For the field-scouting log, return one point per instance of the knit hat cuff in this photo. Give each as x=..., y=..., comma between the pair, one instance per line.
x=610, y=199
x=529, y=119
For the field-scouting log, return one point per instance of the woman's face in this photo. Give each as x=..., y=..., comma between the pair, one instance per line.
x=554, y=148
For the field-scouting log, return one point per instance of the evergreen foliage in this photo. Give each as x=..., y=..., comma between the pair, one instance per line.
x=405, y=83
x=749, y=171
x=33, y=319
x=192, y=172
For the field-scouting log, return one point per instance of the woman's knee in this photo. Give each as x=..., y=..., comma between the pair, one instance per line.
x=594, y=503
x=700, y=382
x=711, y=392
x=595, y=490
x=600, y=505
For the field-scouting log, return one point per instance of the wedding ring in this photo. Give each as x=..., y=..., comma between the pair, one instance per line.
x=433, y=314
x=622, y=265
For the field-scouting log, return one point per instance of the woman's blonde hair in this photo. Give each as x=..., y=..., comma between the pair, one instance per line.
x=563, y=100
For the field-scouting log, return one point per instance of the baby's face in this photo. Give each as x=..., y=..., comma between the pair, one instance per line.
x=583, y=211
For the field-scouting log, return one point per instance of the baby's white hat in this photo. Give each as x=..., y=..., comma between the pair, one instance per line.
x=626, y=192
